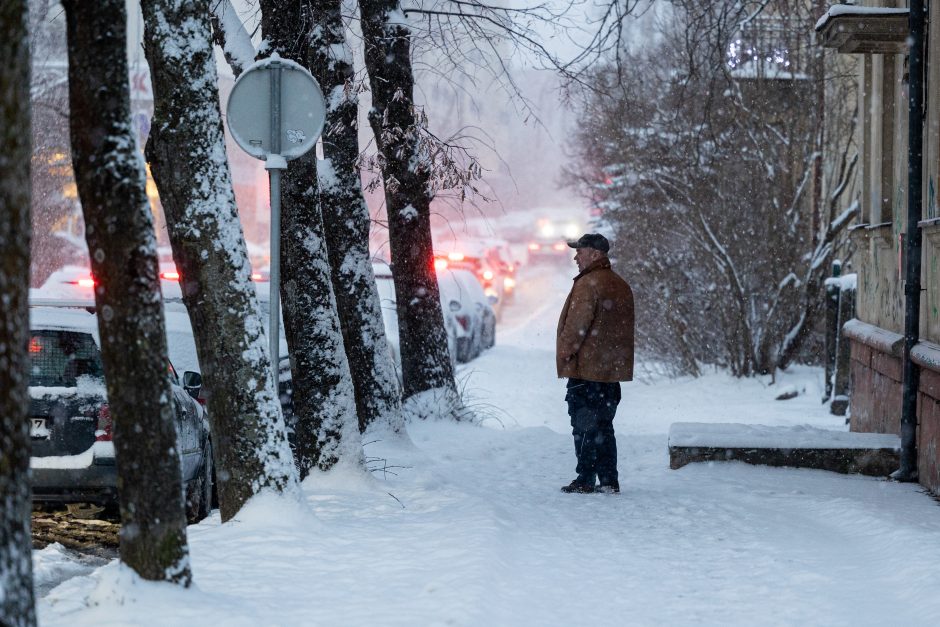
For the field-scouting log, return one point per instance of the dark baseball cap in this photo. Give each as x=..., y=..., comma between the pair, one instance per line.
x=592, y=240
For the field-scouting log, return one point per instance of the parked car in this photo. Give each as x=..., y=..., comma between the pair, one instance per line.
x=68, y=282
x=386, y=288
x=72, y=452
x=464, y=296
x=478, y=259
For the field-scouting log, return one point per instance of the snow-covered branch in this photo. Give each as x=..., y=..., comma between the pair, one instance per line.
x=229, y=33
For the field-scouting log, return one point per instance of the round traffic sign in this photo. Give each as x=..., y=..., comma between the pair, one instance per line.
x=276, y=91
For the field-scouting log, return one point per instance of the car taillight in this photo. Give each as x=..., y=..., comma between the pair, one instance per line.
x=83, y=282
x=559, y=246
x=534, y=246
x=440, y=264
x=170, y=276
x=464, y=322
x=488, y=275
x=455, y=256
x=35, y=345
x=509, y=283
x=103, y=433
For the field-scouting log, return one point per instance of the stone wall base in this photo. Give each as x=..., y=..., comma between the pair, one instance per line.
x=875, y=400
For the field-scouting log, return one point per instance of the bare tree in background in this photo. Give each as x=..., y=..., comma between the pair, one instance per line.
x=17, y=607
x=119, y=229
x=702, y=159
x=346, y=224
x=186, y=151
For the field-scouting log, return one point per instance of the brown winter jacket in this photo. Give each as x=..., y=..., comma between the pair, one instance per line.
x=595, y=331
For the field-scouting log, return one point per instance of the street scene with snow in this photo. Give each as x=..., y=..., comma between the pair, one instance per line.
x=452, y=312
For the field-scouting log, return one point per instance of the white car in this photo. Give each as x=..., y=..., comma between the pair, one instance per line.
x=484, y=306
x=69, y=283
x=386, y=288
x=462, y=295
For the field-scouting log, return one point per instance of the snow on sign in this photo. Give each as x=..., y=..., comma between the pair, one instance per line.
x=276, y=92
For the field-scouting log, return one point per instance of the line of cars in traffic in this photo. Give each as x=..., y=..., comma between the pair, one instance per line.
x=72, y=452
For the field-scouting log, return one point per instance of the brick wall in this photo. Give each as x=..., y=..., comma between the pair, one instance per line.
x=928, y=427
x=876, y=390
x=876, y=404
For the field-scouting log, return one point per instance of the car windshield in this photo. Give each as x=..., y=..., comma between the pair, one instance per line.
x=59, y=358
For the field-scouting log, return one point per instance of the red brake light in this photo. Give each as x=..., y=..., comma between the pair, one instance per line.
x=440, y=264
x=103, y=434
x=88, y=281
x=170, y=275
x=255, y=276
x=534, y=246
x=456, y=256
x=559, y=246
x=488, y=275
x=35, y=346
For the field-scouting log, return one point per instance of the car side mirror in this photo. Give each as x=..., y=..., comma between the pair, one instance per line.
x=192, y=383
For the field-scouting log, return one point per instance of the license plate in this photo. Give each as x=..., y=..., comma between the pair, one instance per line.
x=37, y=428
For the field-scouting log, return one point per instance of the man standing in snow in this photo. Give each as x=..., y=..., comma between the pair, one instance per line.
x=594, y=350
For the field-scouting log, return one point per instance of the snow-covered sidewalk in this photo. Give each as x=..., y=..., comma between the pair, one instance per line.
x=471, y=529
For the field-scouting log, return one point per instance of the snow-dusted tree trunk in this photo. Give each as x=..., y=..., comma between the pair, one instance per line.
x=427, y=372
x=16, y=566
x=109, y=173
x=325, y=429
x=186, y=151
x=346, y=221
x=229, y=33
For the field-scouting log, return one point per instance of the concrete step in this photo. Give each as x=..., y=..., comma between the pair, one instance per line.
x=873, y=454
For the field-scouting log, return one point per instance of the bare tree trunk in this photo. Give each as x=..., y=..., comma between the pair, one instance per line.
x=325, y=429
x=427, y=373
x=186, y=151
x=346, y=225
x=17, y=607
x=109, y=174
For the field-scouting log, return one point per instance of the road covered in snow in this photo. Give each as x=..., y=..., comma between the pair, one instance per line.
x=465, y=524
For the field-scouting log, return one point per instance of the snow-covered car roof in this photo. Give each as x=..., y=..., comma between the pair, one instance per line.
x=381, y=270
x=69, y=318
x=80, y=316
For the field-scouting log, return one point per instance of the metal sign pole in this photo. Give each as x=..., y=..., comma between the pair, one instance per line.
x=274, y=172
x=258, y=113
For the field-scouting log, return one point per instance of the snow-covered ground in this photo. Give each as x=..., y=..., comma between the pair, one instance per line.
x=467, y=525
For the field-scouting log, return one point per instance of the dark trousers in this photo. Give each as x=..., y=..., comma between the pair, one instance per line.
x=592, y=406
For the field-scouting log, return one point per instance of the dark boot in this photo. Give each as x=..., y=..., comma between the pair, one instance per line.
x=577, y=487
x=609, y=488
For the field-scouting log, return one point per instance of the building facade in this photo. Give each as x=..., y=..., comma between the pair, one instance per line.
x=880, y=32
